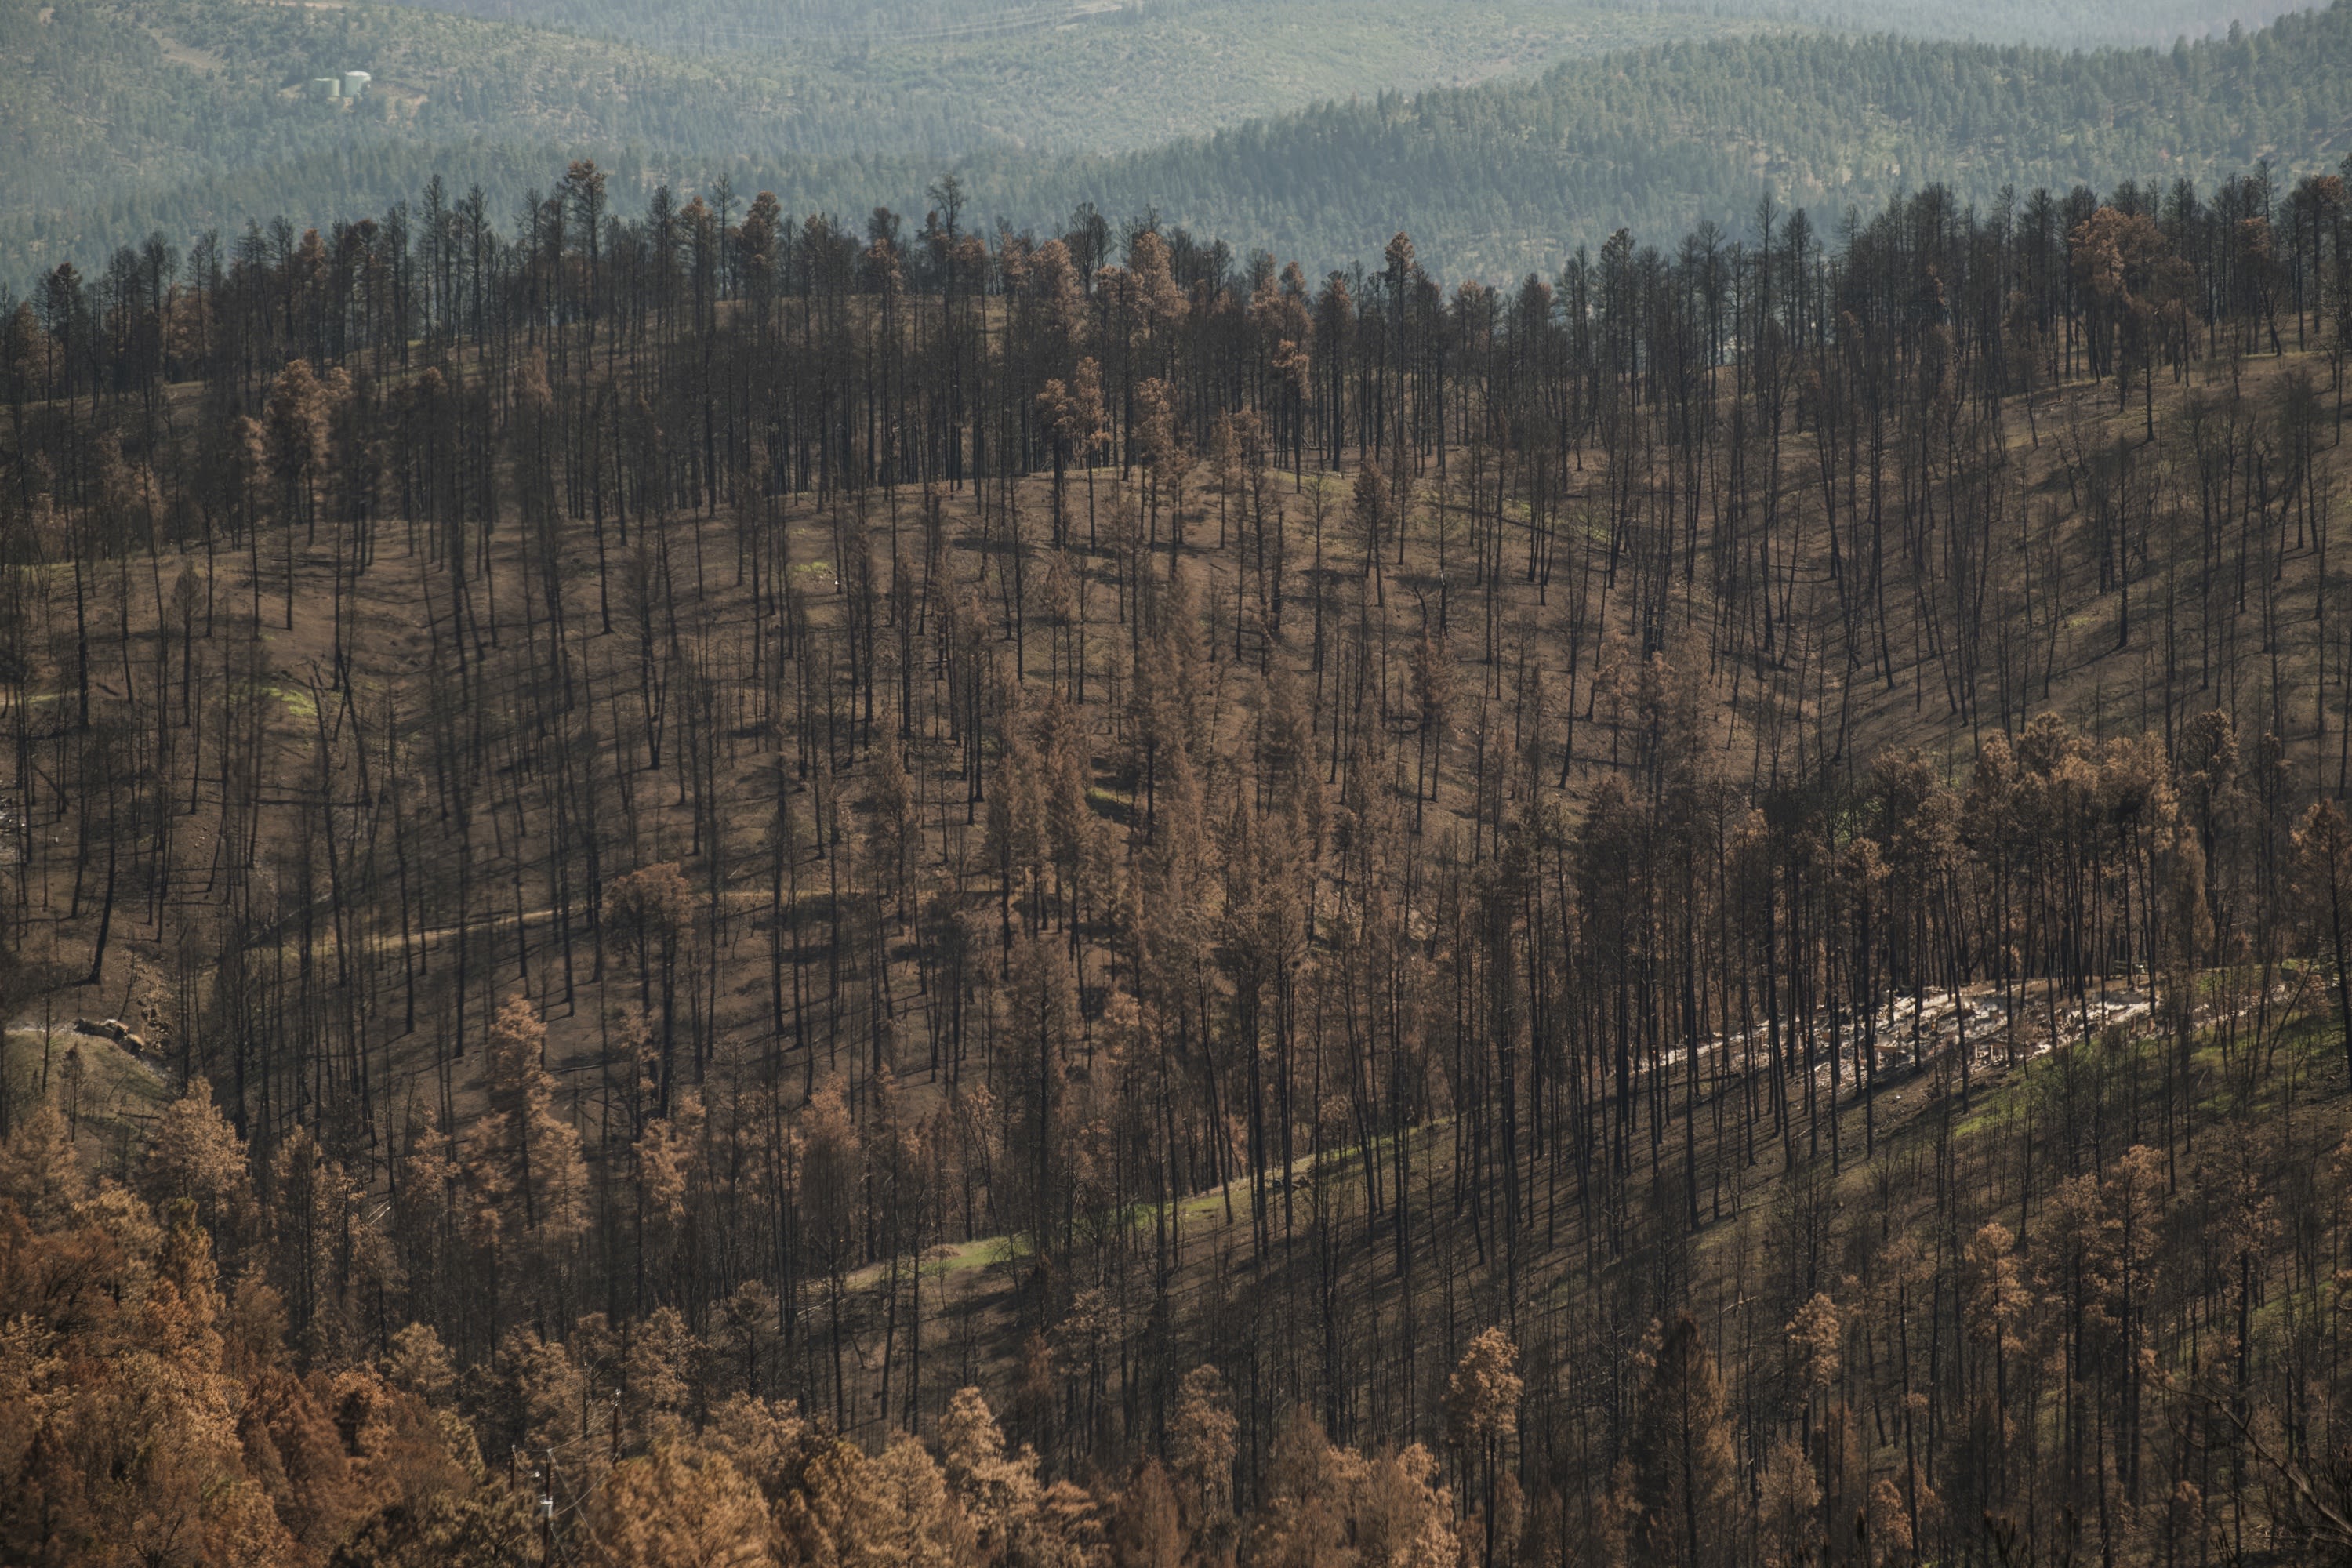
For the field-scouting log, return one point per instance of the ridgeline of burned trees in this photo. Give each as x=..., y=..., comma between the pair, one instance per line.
x=1415, y=925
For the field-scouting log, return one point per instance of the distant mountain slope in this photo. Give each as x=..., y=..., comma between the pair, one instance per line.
x=190, y=120
x=115, y=114
x=2063, y=23
x=1510, y=175
x=789, y=24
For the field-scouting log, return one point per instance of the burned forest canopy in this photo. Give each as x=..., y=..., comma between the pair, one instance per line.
x=694, y=885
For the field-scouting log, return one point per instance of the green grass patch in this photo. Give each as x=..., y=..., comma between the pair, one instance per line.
x=301, y=704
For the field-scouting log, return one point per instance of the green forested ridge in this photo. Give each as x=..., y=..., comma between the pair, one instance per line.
x=788, y=23
x=2066, y=23
x=182, y=124
x=178, y=113
x=1509, y=176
